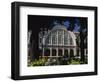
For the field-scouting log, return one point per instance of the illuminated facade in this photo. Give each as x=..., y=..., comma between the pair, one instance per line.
x=58, y=42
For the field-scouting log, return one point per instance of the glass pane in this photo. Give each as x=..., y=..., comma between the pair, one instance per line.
x=66, y=38
x=71, y=41
x=60, y=39
x=60, y=32
x=53, y=52
x=54, y=39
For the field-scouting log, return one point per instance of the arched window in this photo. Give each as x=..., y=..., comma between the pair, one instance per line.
x=66, y=52
x=60, y=36
x=71, y=53
x=54, y=52
x=60, y=52
x=47, y=52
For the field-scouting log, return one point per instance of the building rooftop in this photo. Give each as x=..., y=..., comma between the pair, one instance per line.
x=59, y=27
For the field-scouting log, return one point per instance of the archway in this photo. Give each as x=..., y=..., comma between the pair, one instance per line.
x=66, y=52
x=59, y=52
x=47, y=52
x=53, y=52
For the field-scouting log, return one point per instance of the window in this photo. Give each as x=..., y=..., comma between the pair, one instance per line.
x=66, y=38
x=54, y=39
x=53, y=52
x=71, y=53
x=59, y=52
x=47, y=52
x=60, y=36
x=66, y=52
x=60, y=39
x=71, y=41
x=60, y=32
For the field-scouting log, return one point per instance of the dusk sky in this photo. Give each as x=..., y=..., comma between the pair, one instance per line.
x=36, y=22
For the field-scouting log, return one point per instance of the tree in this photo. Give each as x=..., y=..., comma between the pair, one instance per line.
x=83, y=35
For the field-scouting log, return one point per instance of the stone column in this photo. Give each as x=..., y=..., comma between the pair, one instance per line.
x=85, y=52
x=68, y=52
x=74, y=51
x=57, y=52
x=51, y=39
x=63, y=51
x=50, y=52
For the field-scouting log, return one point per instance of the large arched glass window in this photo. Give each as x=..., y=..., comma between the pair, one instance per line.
x=59, y=37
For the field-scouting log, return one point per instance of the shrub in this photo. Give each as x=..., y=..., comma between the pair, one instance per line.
x=74, y=62
x=39, y=62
